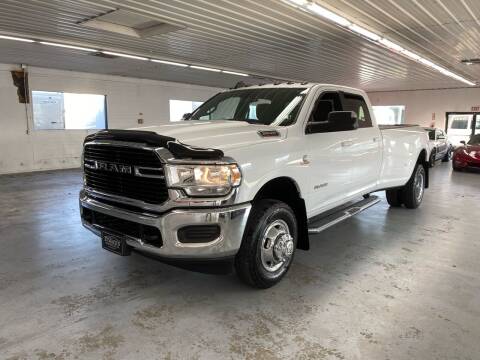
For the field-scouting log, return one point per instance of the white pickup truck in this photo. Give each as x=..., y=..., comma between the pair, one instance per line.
x=248, y=176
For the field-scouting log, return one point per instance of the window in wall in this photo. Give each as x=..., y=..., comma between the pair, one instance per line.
x=68, y=111
x=178, y=108
x=389, y=115
x=460, y=124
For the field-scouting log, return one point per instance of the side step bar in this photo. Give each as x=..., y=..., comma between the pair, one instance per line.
x=344, y=214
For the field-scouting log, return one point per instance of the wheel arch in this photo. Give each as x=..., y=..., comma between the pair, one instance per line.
x=286, y=189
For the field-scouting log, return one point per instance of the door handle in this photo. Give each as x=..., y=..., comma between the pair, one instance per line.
x=375, y=139
x=347, y=143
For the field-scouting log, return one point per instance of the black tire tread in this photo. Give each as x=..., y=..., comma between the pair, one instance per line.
x=394, y=197
x=432, y=161
x=446, y=158
x=245, y=260
x=408, y=192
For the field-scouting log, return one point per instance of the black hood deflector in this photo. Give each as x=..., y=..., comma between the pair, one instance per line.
x=145, y=137
x=150, y=138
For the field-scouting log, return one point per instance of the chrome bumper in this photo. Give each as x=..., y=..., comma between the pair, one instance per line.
x=231, y=220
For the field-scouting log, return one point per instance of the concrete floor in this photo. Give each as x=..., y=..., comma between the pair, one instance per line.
x=387, y=284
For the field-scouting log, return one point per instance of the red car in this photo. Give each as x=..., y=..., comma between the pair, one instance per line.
x=468, y=155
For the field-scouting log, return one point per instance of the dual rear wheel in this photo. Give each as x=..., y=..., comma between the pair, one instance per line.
x=410, y=195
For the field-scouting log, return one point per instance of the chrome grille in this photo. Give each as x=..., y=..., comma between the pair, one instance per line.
x=130, y=172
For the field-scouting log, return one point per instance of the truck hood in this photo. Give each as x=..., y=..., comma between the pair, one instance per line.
x=218, y=134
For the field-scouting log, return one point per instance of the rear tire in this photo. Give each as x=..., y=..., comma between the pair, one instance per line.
x=394, y=197
x=412, y=193
x=268, y=244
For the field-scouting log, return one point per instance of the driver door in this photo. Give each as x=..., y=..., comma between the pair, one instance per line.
x=330, y=166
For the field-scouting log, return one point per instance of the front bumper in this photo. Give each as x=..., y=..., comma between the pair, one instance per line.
x=230, y=220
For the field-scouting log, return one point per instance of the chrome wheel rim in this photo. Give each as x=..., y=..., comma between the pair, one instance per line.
x=276, y=246
x=419, y=184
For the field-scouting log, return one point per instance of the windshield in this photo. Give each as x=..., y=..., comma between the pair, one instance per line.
x=475, y=140
x=269, y=106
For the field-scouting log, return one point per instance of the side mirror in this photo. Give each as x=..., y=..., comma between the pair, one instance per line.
x=186, y=116
x=463, y=142
x=337, y=121
x=343, y=120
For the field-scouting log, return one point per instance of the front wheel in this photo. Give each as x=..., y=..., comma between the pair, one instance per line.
x=268, y=245
x=448, y=155
x=433, y=157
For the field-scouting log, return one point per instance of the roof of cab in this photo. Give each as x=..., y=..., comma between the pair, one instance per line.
x=290, y=84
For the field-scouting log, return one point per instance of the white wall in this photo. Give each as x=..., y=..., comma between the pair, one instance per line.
x=54, y=149
x=421, y=104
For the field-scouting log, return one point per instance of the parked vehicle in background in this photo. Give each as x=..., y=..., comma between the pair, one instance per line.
x=468, y=155
x=248, y=176
x=440, y=146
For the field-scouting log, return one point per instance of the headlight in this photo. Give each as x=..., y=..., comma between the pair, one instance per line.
x=203, y=180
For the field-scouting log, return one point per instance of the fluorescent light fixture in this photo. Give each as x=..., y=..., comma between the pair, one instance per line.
x=124, y=55
x=204, y=68
x=313, y=7
x=234, y=73
x=391, y=45
x=169, y=63
x=299, y=2
x=364, y=32
x=319, y=10
x=16, y=38
x=468, y=82
x=411, y=55
x=426, y=62
x=67, y=46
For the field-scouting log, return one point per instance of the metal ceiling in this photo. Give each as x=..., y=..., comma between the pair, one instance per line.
x=264, y=37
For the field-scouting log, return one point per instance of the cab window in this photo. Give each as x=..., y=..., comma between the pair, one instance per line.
x=357, y=104
x=325, y=104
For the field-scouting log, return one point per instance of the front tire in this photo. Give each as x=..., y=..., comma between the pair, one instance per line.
x=448, y=156
x=268, y=244
x=455, y=168
x=433, y=156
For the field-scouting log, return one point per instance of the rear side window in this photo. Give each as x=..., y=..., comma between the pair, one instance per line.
x=357, y=104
